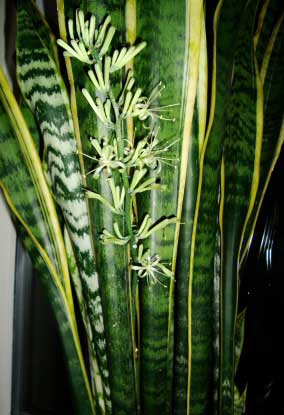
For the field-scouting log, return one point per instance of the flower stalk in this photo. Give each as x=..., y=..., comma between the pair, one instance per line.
x=121, y=169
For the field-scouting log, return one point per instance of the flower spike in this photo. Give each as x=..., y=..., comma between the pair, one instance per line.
x=136, y=163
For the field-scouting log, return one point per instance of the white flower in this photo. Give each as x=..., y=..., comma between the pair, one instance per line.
x=148, y=152
x=107, y=158
x=150, y=267
x=142, y=107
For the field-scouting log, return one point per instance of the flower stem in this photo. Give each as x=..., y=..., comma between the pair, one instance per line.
x=133, y=249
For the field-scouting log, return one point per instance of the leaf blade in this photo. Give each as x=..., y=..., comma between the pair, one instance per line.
x=44, y=90
x=61, y=309
x=241, y=177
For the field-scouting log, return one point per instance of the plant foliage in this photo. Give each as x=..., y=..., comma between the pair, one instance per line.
x=135, y=174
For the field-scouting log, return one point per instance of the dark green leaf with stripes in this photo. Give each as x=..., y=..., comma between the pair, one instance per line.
x=201, y=342
x=241, y=163
x=44, y=90
x=162, y=25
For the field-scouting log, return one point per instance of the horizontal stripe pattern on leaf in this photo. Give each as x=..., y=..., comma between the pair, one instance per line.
x=45, y=93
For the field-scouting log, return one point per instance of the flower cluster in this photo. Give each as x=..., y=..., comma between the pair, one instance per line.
x=89, y=44
x=146, y=155
x=146, y=229
x=138, y=163
x=149, y=266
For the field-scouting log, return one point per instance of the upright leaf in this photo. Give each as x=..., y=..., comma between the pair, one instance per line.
x=270, y=11
x=32, y=126
x=68, y=332
x=183, y=257
x=44, y=90
x=167, y=27
x=96, y=382
x=201, y=290
x=112, y=260
x=271, y=71
x=32, y=206
x=30, y=189
x=244, y=126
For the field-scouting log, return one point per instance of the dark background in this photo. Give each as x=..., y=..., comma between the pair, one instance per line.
x=262, y=360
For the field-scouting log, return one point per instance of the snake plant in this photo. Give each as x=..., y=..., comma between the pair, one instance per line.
x=135, y=164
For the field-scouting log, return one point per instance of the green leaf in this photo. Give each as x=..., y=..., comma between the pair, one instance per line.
x=201, y=308
x=43, y=88
x=59, y=304
x=239, y=395
x=30, y=188
x=112, y=260
x=41, y=27
x=31, y=124
x=242, y=152
x=96, y=382
x=183, y=257
x=113, y=266
x=272, y=70
x=167, y=29
x=270, y=11
x=31, y=204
